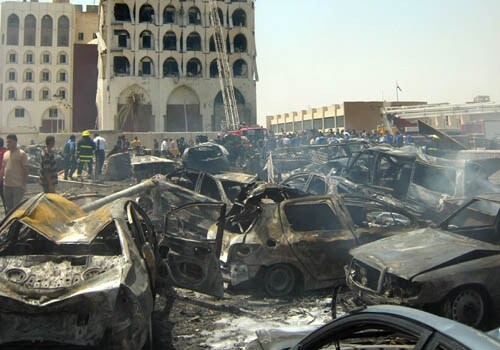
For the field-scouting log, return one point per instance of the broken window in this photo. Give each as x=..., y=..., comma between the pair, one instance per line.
x=317, y=186
x=209, y=188
x=169, y=14
x=61, y=94
x=146, y=14
x=214, y=69
x=29, y=30
x=46, y=33
x=194, y=68
x=122, y=12
x=193, y=42
x=170, y=68
x=221, y=17
x=239, y=18
x=170, y=41
x=121, y=65
x=240, y=43
x=13, y=30
x=311, y=217
x=63, y=31
x=123, y=38
x=194, y=16
x=360, y=170
x=212, y=44
x=435, y=178
x=146, y=67
x=240, y=69
x=146, y=40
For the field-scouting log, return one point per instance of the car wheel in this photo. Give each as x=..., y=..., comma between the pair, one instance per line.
x=467, y=306
x=279, y=280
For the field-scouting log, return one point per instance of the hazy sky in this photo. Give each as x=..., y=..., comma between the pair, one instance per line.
x=319, y=52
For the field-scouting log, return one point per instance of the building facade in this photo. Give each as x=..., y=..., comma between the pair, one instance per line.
x=357, y=115
x=158, y=68
x=36, y=63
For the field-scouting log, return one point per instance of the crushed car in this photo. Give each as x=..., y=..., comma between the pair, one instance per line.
x=421, y=183
x=378, y=327
x=286, y=241
x=71, y=278
x=207, y=156
x=451, y=269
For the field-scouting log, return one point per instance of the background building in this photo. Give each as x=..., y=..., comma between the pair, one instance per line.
x=158, y=68
x=37, y=61
x=345, y=116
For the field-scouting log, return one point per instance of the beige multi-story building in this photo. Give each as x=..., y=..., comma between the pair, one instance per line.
x=158, y=64
x=36, y=63
x=356, y=115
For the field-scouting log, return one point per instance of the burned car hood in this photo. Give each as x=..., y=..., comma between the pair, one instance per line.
x=412, y=253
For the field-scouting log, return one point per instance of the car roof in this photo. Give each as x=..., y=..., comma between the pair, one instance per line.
x=463, y=334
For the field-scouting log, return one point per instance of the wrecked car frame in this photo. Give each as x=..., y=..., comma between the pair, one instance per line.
x=452, y=270
x=69, y=278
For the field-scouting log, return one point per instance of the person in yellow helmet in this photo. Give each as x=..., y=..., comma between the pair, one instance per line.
x=85, y=153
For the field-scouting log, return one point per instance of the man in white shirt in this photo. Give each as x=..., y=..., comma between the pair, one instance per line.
x=164, y=147
x=100, y=150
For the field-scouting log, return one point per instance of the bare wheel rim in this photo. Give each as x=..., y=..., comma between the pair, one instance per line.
x=279, y=280
x=468, y=307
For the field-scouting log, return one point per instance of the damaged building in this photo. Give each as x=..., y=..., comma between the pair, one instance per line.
x=158, y=65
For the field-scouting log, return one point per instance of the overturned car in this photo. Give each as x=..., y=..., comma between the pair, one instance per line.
x=452, y=270
x=68, y=278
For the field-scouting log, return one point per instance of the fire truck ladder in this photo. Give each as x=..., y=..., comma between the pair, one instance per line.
x=225, y=75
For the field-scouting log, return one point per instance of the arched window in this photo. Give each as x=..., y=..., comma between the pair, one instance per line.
x=29, y=57
x=45, y=94
x=46, y=33
x=193, y=68
x=146, y=14
x=146, y=40
x=169, y=14
x=12, y=57
x=240, y=69
x=29, y=30
x=45, y=58
x=170, y=41
x=146, y=67
x=221, y=17
x=122, y=38
x=28, y=94
x=193, y=42
x=239, y=18
x=212, y=44
x=28, y=75
x=121, y=65
x=170, y=68
x=122, y=12
x=62, y=76
x=13, y=30
x=11, y=75
x=214, y=69
x=194, y=16
x=240, y=43
x=61, y=94
x=62, y=58
x=11, y=94
x=45, y=76
x=63, y=31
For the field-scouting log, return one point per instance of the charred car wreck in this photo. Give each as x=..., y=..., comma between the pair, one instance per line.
x=452, y=270
x=68, y=278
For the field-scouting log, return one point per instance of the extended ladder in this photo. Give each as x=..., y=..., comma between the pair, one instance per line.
x=225, y=75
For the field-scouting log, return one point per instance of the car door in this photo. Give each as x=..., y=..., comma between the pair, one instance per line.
x=191, y=258
x=318, y=234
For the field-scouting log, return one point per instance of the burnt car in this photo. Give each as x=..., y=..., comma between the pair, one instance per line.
x=208, y=156
x=379, y=327
x=311, y=182
x=146, y=166
x=68, y=278
x=419, y=182
x=287, y=241
x=451, y=269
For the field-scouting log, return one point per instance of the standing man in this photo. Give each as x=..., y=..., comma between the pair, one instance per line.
x=164, y=147
x=48, y=169
x=85, y=153
x=69, y=154
x=100, y=148
x=14, y=173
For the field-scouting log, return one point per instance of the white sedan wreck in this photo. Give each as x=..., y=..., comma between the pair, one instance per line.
x=70, y=278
